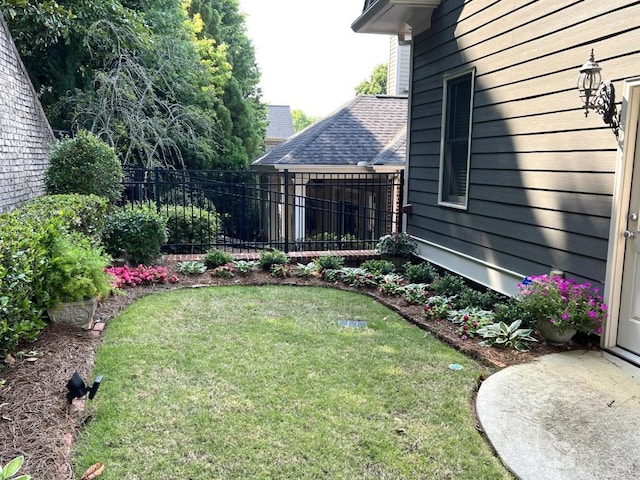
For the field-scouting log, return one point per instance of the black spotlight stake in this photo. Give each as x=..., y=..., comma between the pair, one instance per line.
x=77, y=388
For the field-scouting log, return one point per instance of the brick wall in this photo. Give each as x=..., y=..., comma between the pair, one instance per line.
x=25, y=134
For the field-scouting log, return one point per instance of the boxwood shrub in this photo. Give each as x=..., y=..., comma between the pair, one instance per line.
x=135, y=233
x=188, y=227
x=84, y=214
x=25, y=249
x=84, y=164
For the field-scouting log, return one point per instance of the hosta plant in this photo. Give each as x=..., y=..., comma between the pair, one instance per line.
x=469, y=320
x=506, y=336
x=245, y=267
x=11, y=468
x=191, y=267
x=305, y=270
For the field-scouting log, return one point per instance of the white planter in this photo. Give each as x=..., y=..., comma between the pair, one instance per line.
x=79, y=314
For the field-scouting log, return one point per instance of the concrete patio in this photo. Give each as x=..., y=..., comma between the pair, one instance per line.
x=566, y=416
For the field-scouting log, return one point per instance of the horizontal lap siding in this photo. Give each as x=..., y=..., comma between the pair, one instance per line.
x=542, y=174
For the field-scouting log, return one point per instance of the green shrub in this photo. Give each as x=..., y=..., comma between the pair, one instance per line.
x=216, y=258
x=76, y=271
x=448, y=285
x=84, y=164
x=272, y=257
x=77, y=213
x=330, y=262
x=189, y=226
x=25, y=249
x=513, y=309
x=137, y=233
x=471, y=297
x=380, y=267
x=422, y=272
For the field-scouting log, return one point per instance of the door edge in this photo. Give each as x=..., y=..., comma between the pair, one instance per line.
x=629, y=115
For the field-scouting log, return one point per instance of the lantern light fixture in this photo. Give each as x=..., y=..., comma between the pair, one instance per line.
x=596, y=94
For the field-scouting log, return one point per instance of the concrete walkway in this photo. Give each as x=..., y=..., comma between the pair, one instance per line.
x=573, y=415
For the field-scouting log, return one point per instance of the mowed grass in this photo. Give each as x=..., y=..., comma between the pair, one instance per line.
x=263, y=383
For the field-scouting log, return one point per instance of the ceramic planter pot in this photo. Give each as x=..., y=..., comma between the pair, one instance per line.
x=552, y=334
x=79, y=314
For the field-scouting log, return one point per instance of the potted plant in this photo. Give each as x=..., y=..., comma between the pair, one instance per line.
x=76, y=277
x=396, y=247
x=562, y=307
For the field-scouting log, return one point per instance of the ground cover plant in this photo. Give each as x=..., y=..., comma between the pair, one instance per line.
x=264, y=382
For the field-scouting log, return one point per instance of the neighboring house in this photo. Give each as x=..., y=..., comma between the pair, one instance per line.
x=505, y=176
x=25, y=134
x=280, y=126
x=340, y=172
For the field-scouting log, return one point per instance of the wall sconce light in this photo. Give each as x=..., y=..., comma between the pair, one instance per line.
x=598, y=95
x=77, y=388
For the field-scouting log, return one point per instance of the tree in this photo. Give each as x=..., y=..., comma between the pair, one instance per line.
x=301, y=120
x=377, y=83
x=157, y=80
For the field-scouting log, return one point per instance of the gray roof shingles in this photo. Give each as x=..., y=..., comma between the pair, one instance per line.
x=369, y=129
x=280, y=122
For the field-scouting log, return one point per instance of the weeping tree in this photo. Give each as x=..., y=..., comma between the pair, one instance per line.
x=162, y=83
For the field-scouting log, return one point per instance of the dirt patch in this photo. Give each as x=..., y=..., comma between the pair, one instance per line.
x=36, y=422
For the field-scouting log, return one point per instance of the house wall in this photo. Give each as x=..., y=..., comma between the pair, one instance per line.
x=25, y=134
x=541, y=175
x=399, y=67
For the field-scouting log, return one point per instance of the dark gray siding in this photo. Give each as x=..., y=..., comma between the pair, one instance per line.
x=541, y=177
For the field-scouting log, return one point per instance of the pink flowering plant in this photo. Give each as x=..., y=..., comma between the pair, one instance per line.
x=565, y=303
x=140, y=275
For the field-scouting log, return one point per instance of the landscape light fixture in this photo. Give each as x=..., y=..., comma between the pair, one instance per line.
x=77, y=388
x=598, y=95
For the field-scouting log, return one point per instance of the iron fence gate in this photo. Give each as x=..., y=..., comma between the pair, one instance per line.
x=251, y=211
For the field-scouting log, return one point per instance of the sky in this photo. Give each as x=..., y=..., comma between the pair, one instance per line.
x=308, y=56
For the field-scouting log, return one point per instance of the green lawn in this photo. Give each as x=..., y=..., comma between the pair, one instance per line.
x=263, y=383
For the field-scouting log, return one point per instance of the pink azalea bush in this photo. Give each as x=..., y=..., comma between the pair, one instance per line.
x=565, y=303
x=140, y=275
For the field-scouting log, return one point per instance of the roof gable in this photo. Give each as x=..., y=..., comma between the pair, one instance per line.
x=367, y=130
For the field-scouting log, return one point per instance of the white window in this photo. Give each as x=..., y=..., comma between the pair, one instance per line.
x=455, y=144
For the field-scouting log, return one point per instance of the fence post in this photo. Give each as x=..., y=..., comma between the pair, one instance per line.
x=286, y=210
x=156, y=184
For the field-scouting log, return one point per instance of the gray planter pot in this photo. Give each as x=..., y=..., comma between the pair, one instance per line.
x=79, y=314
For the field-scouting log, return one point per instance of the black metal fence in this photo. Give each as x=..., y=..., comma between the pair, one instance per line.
x=251, y=211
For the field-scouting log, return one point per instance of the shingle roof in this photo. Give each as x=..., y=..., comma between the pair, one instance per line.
x=280, y=122
x=369, y=129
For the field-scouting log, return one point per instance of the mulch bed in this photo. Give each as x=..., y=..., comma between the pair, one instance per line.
x=36, y=422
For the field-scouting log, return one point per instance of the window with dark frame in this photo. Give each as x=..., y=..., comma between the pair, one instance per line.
x=454, y=166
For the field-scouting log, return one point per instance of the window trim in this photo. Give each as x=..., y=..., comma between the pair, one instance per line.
x=463, y=205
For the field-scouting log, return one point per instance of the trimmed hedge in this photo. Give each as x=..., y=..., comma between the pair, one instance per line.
x=77, y=213
x=25, y=250
x=136, y=233
x=84, y=164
